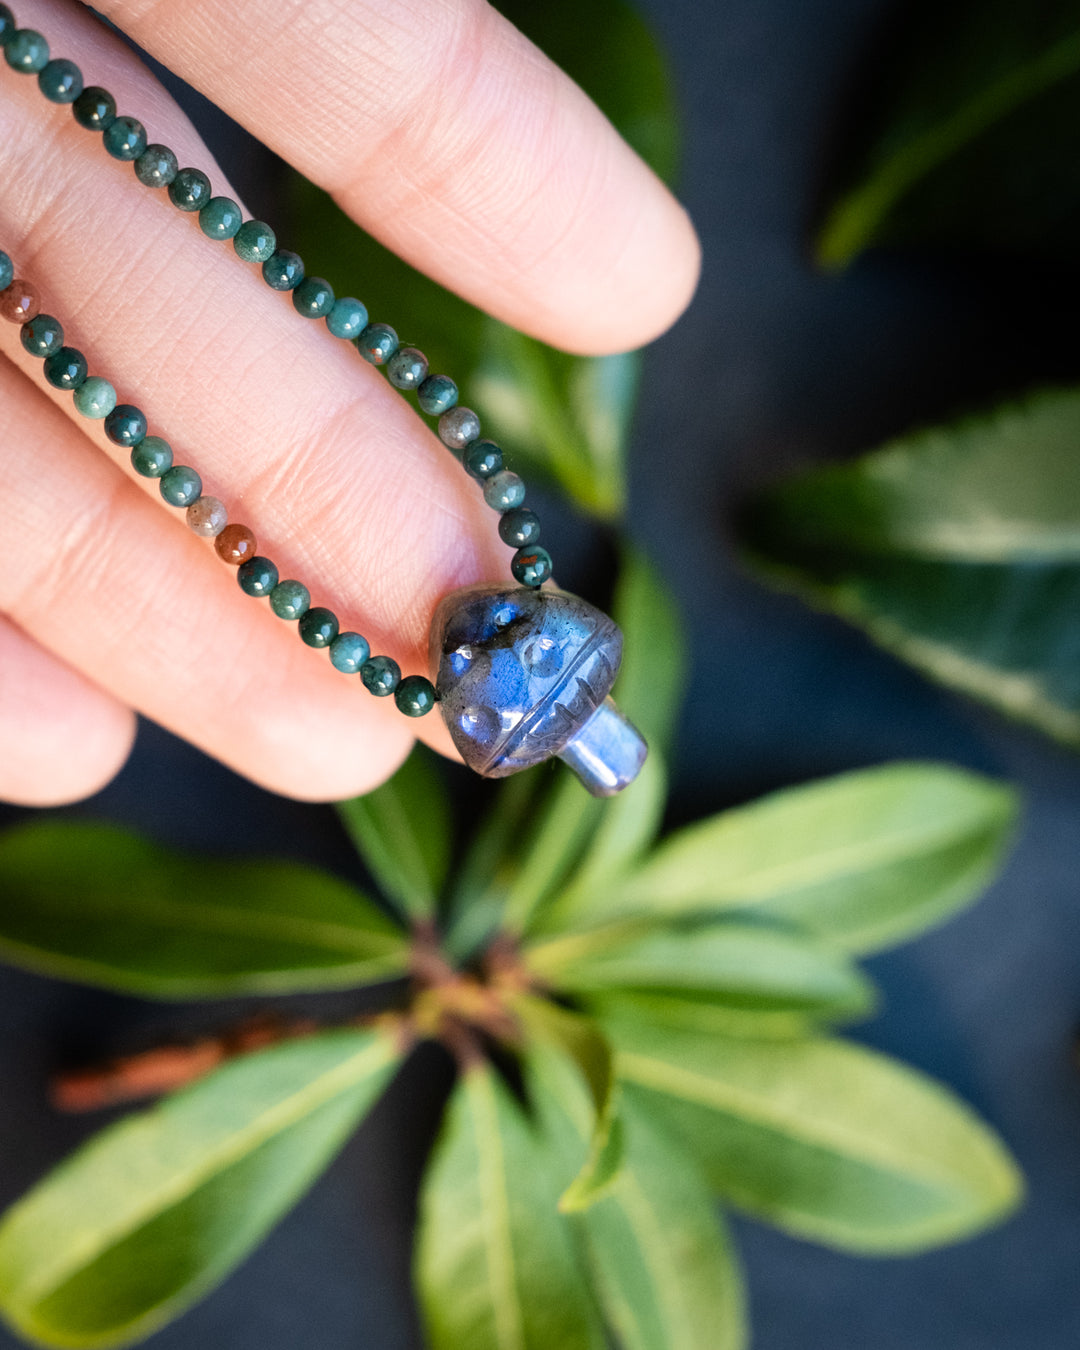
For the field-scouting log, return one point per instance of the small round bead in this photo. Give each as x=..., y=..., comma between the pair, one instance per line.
x=283, y=270
x=220, y=218
x=377, y=343
x=381, y=675
x=318, y=627
x=95, y=397
x=19, y=302
x=180, y=485
x=189, y=190
x=235, y=544
x=437, y=395
x=95, y=109
x=348, y=652
x=60, y=81
x=152, y=457
x=290, y=600
x=482, y=459
x=519, y=527
x=42, y=335
x=125, y=138
x=407, y=368
x=66, y=369
x=347, y=318
x=26, y=51
x=313, y=298
x=415, y=696
x=7, y=271
x=254, y=242
x=531, y=566
x=8, y=26
x=458, y=428
x=207, y=517
x=125, y=425
x=157, y=166
x=504, y=490
x=257, y=576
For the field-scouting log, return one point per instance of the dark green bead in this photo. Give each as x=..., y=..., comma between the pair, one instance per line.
x=66, y=369
x=95, y=109
x=254, y=242
x=348, y=652
x=125, y=425
x=8, y=27
x=42, y=336
x=313, y=298
x=318, y=627
x=377, y=343
x=156, y=167
x=407, y=368
x=152, y=457
x=283, y=270
x=180, y=485
x=220, y=218
x=125, y=139
x=504, y=490
x=257, y=576
x=482, y=459
x=381, y=675
x=290, y=600
x=95, y=397
x=26, y=51
x=348, y=318
x=531, y=566
x=438, y=394
x=61, y=81
x=519, y=526
x=7, y=271
x=415, y=696
x=189, y=190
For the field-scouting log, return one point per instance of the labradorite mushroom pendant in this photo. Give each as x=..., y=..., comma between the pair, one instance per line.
x=525, y=674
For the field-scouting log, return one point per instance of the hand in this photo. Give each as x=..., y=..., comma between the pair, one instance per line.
x=441, y=131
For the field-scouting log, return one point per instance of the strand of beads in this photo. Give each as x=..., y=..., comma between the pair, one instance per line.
x=220, y=218
x=181, y=486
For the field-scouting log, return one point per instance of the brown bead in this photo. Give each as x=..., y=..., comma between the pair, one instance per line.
x=207, y=516
x=20, y=302
x=235, y=544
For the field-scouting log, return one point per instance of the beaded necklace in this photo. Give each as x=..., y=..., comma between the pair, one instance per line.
x=520, y=674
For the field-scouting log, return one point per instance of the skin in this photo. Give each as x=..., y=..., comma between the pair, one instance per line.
x=441, y=131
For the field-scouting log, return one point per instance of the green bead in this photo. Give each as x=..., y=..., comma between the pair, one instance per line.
x=180, y=485
x=504, y=490
x=125, y=425
x=381, y=675
x=415, y=696
x=482, y=459
x=348, y=652
x=125, y=138
x=531, y=566
x=257, y=576
x=313, y=298
x=66, y=369
x=152, y=457
x=220, y=218
x=189, y=190
x=8, y=27
x=254, y=241
x=7, y=271
x=377, y=343
x=519, y=527
x=42, y=335
x=348, y=318
x=26, y=51
x=318, y=627
x=407, y=368
x=283, y=270
x=438, y=394
x=95, y=109
x=290, y=600
x=95, y=397
x=61, y=81
x=156, y=167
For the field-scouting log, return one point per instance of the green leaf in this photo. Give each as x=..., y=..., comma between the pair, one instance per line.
x=862, y=860
x=957, y=549
x=738, y=965
x=93, y=903
x=403, y=832
x=652, y=677
x=827, y=1140
x=705, y=1014
x=154, y=1212
x=661, y=1259
x=973, y=138
x=496, y=1264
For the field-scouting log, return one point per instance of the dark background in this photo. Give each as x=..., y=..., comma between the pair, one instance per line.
x=773, y=366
